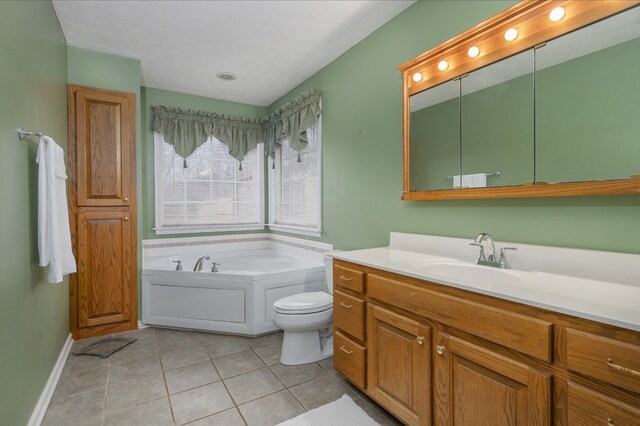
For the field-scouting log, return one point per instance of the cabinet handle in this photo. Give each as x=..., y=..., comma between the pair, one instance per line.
x=344, y=305
x=440, y=349
x=126, y=219
x=345, y=350
x=420, y=340
x=126, y=199
x=610, y=421
x=611, y=364
x=343, y=278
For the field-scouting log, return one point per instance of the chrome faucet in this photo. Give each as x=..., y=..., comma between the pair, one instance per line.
x=198, y=266
x=487, y=255
x=179, y=265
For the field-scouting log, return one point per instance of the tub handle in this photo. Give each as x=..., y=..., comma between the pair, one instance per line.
x=343, y=278
x=179, y=265
x=344, y=305
x=214, y=266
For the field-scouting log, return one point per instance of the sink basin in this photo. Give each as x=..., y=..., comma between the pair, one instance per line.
x=484, y=276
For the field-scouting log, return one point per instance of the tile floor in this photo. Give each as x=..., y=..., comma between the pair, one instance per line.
x=178, y=377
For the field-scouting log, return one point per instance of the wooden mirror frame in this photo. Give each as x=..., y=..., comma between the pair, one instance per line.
x=531, y=18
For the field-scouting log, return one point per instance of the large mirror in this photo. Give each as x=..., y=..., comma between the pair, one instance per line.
x=560, y=118
x=435, y=137
x=497, y=125
x=588, y=103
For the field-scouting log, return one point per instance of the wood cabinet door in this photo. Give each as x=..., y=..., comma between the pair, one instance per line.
x=104, y=129
x=477, y=387
x=105, y=283
x=398, y=364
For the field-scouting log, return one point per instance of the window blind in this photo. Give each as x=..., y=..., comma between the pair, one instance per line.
x=212, y=190
x=296, y=184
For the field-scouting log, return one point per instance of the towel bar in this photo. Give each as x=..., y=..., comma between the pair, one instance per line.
x=22, y=132
x=494, y=174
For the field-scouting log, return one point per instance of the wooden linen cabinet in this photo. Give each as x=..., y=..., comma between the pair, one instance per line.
x=102, y=206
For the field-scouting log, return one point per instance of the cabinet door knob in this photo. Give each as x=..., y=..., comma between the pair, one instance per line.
x=126, y=218
x=126, y=199
x=420, y=340
x=440, y=349
x=610, y=421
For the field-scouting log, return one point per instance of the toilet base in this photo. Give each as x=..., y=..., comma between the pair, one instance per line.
x=306, y=346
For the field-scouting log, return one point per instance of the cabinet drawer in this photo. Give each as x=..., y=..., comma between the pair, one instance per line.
x=587, y=407
x=351, y=279
x=349, y=358
x=525, y=334
x=348, y=314
x=607, y=359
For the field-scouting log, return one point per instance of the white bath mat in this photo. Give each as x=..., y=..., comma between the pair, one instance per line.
x=342, y=412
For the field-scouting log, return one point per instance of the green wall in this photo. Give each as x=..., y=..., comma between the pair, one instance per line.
x=152, y=97
x=34, y=315
x=361, y=137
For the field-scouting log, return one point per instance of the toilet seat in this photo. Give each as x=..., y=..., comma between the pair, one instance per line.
x=304, y=303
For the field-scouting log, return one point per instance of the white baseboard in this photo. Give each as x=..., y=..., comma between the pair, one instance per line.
x=142, y=325
x=43, y=403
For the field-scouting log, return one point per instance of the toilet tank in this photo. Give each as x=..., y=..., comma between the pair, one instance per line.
x=328, y=271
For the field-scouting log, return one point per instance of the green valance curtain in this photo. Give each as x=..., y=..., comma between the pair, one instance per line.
x=186, y=130
x=292, y=121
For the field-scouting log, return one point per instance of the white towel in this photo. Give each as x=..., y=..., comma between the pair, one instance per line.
x=54, y=236
x=477, y=180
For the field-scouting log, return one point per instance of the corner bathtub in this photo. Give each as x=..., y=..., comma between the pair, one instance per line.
x=238, y=299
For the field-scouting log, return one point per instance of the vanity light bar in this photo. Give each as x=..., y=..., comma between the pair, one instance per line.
x=555, y=15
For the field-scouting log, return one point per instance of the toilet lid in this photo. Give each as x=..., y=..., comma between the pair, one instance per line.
x=304, y=303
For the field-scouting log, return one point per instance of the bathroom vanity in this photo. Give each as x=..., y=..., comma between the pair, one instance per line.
x=487, y=350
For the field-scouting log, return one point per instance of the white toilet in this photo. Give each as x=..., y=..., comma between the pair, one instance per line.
x=307, y=322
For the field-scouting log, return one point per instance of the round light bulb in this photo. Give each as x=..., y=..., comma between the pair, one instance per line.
x=473, y=51
x=417, y=77
x=511, y=34
x=556, y=14
x=443, y=65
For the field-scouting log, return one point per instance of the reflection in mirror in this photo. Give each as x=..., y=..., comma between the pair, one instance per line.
x=588, y=102
x=435, y=137
x=497, y=123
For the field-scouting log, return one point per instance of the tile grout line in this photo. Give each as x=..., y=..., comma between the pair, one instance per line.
x=285, y=386
x=225, y=388
x=106, y=393
x=164, y=379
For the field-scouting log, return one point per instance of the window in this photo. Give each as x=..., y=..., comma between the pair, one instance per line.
x=295, y=188
x=211, y=194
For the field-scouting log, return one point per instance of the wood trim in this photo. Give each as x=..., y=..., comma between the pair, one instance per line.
x=567, y=189
x=530, y=17
x=534, y=27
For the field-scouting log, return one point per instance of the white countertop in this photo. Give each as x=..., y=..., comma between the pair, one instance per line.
x=607, y=302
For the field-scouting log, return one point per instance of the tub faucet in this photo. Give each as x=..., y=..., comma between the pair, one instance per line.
x=198, y=266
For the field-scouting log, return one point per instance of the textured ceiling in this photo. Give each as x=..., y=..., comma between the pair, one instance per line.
x=272, y=46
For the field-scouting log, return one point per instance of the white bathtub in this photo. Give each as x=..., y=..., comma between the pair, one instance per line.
x=238, y=299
